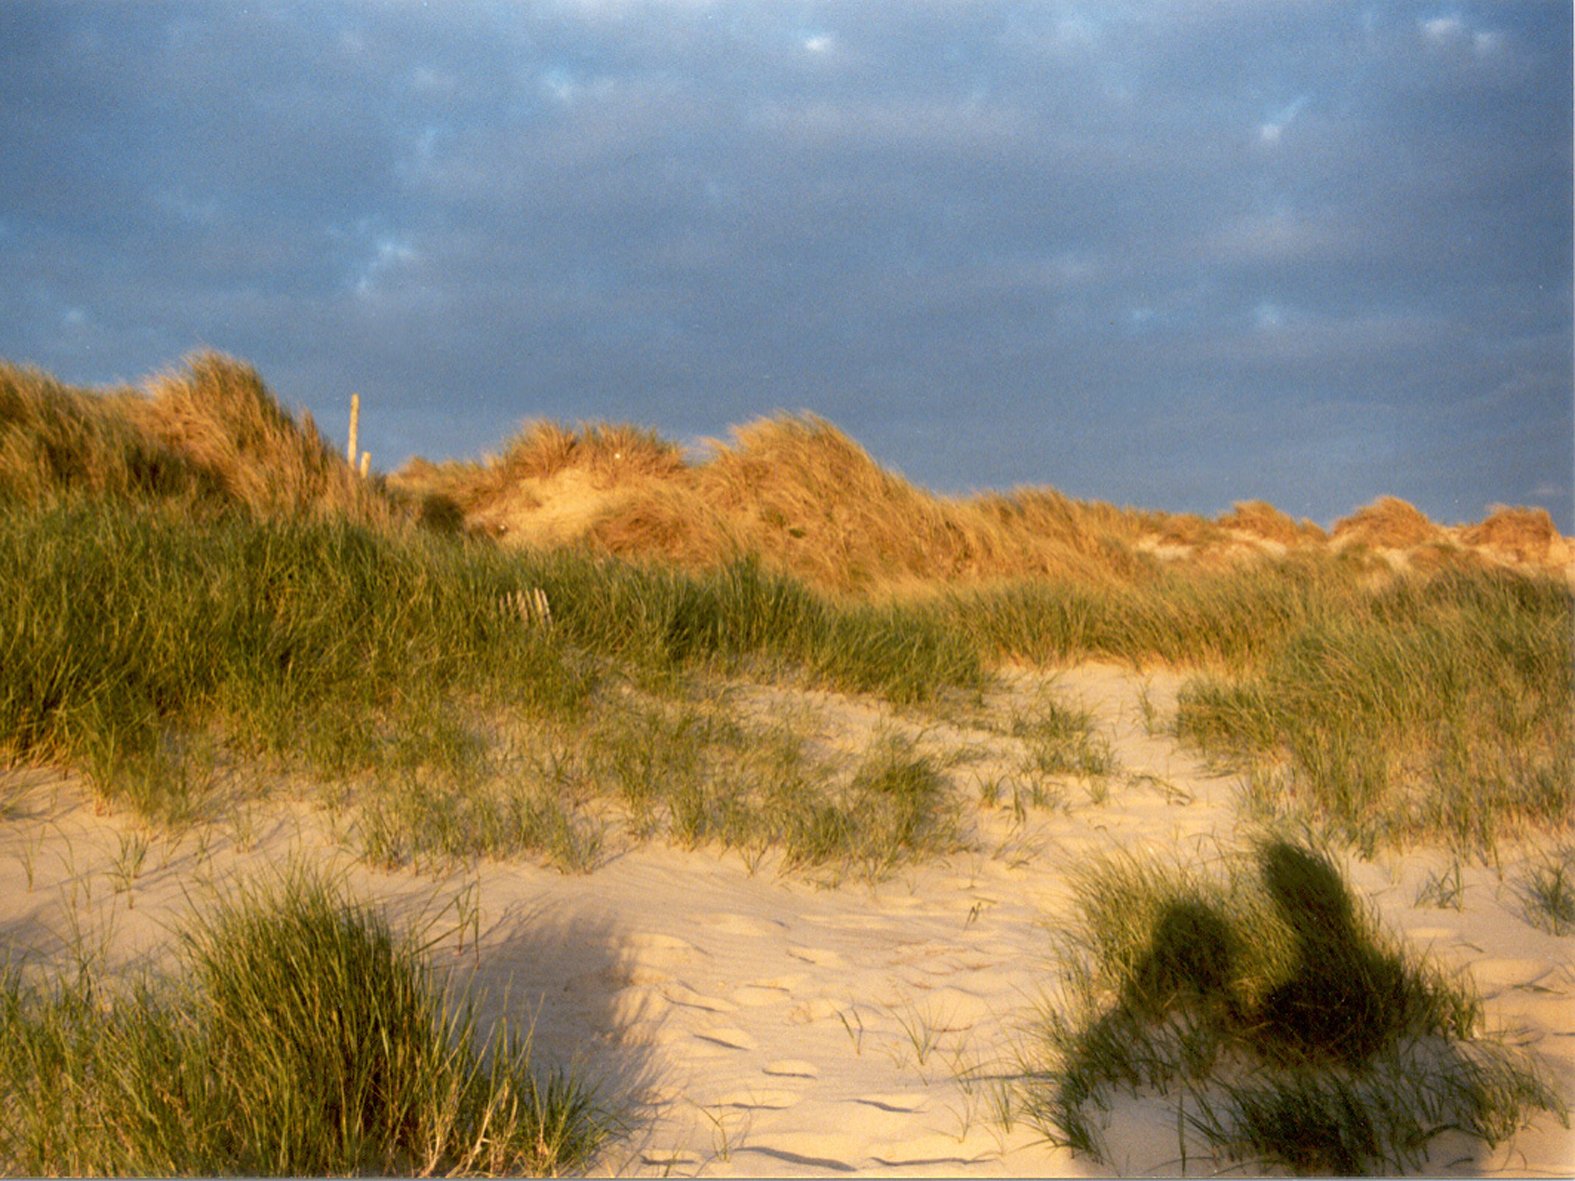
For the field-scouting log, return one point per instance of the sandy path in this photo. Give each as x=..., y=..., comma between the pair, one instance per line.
x=760, y=1025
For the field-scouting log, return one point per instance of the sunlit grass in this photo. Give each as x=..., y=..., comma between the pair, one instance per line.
x=1436, y=708
x=196, y=590
x=304, y=1038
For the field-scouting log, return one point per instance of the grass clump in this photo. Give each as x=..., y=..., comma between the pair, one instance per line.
x=1436, y=708
x=1269, y=1009
x=1060, y=739
x=1548, y=889
x=305, y=1039
x=133, y=639
x=208, y=438
x=1389, y=522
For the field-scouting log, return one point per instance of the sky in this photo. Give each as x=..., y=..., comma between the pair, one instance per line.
x=1171, y=255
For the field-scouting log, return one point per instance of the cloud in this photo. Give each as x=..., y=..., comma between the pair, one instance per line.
x=1272, y=128
x=959, y=232
x=1442, y=29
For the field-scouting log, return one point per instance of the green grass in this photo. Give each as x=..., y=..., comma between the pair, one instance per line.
x=305, y=1038
x=171, y=655
x=129, y=639
x=1060, y=740
x=1432, y=709
x=1234, y=618
x=1268, y=1009
x=1548, y=888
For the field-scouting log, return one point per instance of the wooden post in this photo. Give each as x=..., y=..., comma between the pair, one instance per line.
x=355, y=423
x=366, y=462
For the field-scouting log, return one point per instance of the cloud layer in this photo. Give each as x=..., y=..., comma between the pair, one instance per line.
x=1166, y=254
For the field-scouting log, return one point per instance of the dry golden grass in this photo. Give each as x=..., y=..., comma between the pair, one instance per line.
x=220, y=417
x=807, y=500
x=1260, y=519
x=1524, y=534
x=1388, y=522
x=210, y=436
x=794, y=491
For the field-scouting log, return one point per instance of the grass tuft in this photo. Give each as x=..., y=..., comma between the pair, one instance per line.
x=1269, y=1008
x=305, y=1039
x=1549, y=891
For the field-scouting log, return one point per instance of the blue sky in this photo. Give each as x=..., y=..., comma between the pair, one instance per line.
x=1165, y=254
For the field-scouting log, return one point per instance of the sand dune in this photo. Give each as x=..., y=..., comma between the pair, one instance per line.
x=751, y=1023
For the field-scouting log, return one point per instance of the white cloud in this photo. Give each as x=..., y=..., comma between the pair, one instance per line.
x=819, y=43
x=1440, y=29
x=1268, y=316
x=1270, y=130
x=389, y=255
x=1486, y=44
x=1451, y=30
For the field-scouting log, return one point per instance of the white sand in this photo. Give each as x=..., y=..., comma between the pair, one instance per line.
x=759, y=1025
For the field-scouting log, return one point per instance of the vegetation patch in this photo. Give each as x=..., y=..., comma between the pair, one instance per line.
x=1437, y=707
x=305, y=1039
x=196, y=590
x=1280, y=1024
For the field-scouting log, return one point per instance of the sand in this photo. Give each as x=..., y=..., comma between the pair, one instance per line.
x=752, y=1023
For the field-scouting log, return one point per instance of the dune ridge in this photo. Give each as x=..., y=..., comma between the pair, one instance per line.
x=791, y=489
x=761, y=786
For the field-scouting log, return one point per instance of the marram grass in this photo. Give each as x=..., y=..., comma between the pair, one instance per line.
x=122, y=630
x=194, y=585
x=305, y=1038
x=1265, y=1005
x=1437, y=708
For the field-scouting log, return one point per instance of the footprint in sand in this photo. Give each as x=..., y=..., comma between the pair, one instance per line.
x=760, y=1100
x=792, y=1068
x=904, y=1102
x=811, y=1011
x=728, y=1036
x=656, y=946
x=682, y=994
x=739, y=924
x=765, y=992
x=623, y=976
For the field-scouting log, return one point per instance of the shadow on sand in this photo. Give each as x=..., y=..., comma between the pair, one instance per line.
x=1353, y=1061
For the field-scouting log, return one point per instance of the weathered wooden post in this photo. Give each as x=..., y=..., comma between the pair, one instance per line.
x=355, y=423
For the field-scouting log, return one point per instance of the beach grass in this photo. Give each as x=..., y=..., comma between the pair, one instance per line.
x=196, y=590
x=1264, y=1004
x=305, y=1037
x=1434, y=708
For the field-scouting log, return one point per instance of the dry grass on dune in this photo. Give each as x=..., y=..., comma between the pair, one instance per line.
x=792, y=490
x=1259, y=519
x=798, y=487
x=810, y=502
x=1388, y=522
x=1524, y=534
x=208, y=436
